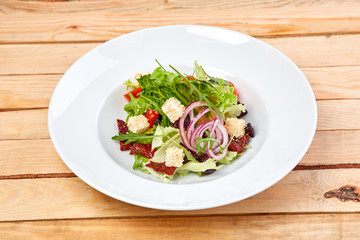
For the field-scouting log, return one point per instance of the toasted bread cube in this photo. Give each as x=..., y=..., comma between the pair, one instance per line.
x=173, y=109
x=235, y=127
x=138, y=124
x=174, y=157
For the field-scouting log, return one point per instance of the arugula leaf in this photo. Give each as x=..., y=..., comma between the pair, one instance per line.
x=201, y=148
x=133, y=137
x=200, y=93
x=139, y=161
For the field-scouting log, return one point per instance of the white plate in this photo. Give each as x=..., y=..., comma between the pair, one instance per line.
x=89, y=98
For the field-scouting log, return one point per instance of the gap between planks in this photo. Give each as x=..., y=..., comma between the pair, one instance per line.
x=327, y=34
x=299, y=167
x=20, y=156
x=179, y=216
x=55, y=58
x=238, y=227
x=299, y=191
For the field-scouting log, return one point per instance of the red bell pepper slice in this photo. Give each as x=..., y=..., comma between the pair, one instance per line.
x=190, y=77
x=134, y=92
x=151, y=115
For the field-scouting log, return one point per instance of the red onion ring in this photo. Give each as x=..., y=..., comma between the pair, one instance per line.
x=217, y=131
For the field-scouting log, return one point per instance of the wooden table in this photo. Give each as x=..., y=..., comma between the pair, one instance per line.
x=40, y=198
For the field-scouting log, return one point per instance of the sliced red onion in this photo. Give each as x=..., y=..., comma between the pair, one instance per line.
x=191, y=126
x=189, y=108
x=216, y=127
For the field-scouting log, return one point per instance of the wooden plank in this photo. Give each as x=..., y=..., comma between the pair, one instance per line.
x=38, y=158
x=332, y=115
x=335, y=114
x=21, y=158
x=34, y=91
x=290, y=227
x=19, y=6
x=40, y=58
x=29, y=124
x=26, y=91
x=63, y=198
x=334, y=82
x=320, y=50
x=57, y=58
x=97, y=25
x=333, y=147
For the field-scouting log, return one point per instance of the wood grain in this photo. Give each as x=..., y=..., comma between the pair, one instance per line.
x=25, y=157
x=62, y=198
x=334, y=82
x=290, y=227
x=32, y=124
x=34, y=91
x=29, y=124
x=27, y=91
x=57, y=58
x=333, y=147
x=335, y=114
x=38, y=158
x=40, y=58
x=60, y=6
x=99, y=26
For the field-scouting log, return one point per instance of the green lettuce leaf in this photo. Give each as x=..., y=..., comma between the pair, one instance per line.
x=131, y=84
x=136, y=106
x=199, y=167
x=199, y=72
x=139, y=161
x=165, y=133
x=163, y=177
x=230, y=156
x=234, y=110
x=160, y=154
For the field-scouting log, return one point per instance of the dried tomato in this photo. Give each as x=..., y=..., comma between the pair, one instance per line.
x=142, y=149
x=124, y=146
x=123, y=128
x=161, y=167
x=238, y=144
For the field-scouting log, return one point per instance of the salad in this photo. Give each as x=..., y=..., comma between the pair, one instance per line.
x=179, y=124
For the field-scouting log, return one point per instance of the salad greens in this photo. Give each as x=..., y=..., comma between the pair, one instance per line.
x=162, y=85
x=150, y=93
x=139, y=162
x=145, y=138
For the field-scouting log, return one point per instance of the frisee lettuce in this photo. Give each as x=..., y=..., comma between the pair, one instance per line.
x=230, y=156
x=198, y=166
x=139, y=161
x=234, y=110
x=131, y=84
x=136, y=106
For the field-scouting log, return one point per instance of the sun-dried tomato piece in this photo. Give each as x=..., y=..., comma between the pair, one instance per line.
x=124, y=146
x=238, y=144
x=123, y=128
x=142, y=149
x=161, y=167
